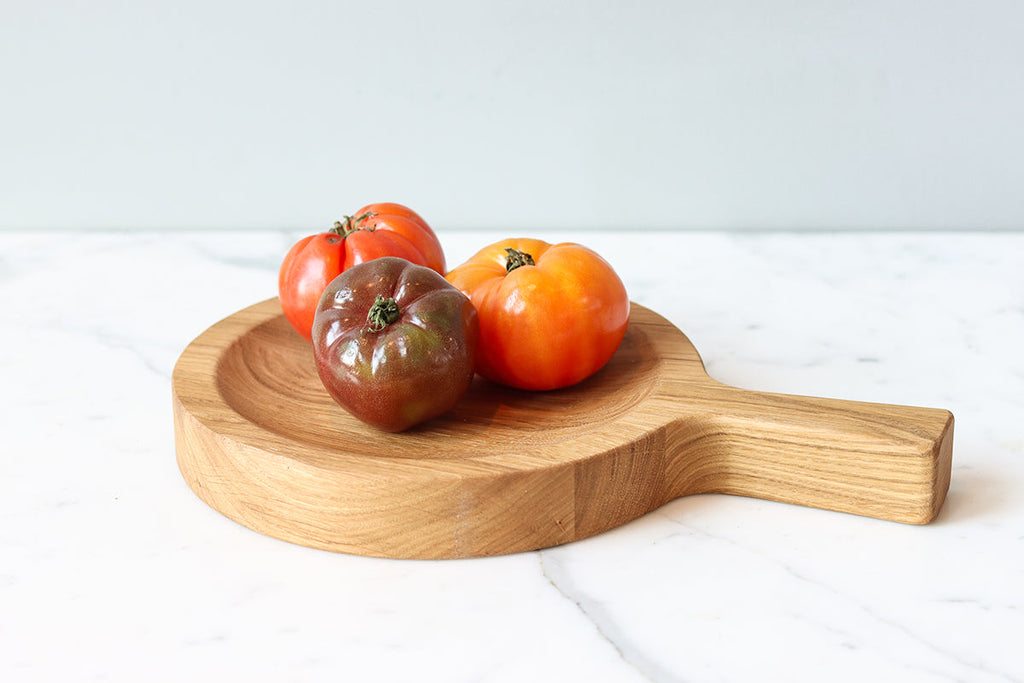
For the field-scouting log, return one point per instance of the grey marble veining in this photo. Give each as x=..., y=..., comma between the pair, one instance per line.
x=111, y=569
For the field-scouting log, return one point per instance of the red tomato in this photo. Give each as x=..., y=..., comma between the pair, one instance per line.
x=550, y=315
x=376, y=230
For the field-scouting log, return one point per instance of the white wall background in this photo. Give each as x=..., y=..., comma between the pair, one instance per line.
x=807, y=114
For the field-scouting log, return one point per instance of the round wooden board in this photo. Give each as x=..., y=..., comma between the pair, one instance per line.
x=259, y=439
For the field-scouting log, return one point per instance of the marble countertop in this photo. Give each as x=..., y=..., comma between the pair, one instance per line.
x=111, y=569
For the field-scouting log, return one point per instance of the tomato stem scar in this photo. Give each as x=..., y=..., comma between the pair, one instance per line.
x=350, y=224
x=516, y=259
x=342, y=228
x=382, y=313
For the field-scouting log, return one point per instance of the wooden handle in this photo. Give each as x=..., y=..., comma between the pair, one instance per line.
x=884, y=461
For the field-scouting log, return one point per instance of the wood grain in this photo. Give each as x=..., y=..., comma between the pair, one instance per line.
x=259, y=439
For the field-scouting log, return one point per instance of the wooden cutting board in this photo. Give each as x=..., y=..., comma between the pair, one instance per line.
x=260, y=440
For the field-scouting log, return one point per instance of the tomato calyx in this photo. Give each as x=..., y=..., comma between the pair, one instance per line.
x=349, y=224
x=517, y=259
x=382, y=313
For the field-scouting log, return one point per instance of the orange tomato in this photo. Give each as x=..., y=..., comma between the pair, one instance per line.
x=550, y=315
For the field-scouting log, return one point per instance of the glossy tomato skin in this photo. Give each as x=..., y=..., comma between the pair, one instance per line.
x=376, y=230
x=400, y=222
x=307, y=269
x=546, y=325
x=413, y=368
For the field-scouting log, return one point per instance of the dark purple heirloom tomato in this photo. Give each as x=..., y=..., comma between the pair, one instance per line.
x=394, y=342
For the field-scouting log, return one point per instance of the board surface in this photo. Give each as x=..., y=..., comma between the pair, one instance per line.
x=259, y=439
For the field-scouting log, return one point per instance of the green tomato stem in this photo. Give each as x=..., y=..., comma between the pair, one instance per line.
x=342, y=228
x=349, y=224
x=382, y=313
x=517, y=259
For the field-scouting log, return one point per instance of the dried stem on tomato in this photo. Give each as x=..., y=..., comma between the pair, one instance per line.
x=350, y=224
x=516, y=259
x=382, y=313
